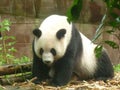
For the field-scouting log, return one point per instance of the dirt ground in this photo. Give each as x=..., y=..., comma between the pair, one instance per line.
x=112, y=84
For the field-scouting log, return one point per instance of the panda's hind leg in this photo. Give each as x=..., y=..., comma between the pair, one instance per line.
x=105, y=69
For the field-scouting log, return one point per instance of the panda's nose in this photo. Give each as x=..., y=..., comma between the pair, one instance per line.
x=47, y=62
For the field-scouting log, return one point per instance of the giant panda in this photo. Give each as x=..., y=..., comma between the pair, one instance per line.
x=59, y=50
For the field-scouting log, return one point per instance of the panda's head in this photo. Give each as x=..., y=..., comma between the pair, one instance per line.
x=52, y=38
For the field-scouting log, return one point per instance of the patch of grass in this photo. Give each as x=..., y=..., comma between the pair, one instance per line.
x=117, y=68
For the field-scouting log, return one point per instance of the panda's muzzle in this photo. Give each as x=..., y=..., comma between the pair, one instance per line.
x=47, y=62
x=47, y=58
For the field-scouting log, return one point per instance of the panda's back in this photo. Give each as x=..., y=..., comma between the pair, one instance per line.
x=86, y=64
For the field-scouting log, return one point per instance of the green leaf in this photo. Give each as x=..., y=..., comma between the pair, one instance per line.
x=7, y=28
x=96, y=36
x=9, y=55
x=118, y=20
x=2, y=29
x=117, y=68
x=74, y=11
x=11, y=43
x=98, y=31
x=114, y=15
x=5, y=25
x=115, y=22
x=6, y=22
x=6, y=37
x=112, y=44
x=98, y=50
x=112, y=4
x=1, y=49
x=9, y=37
x=110, y=31
x=12, y=37
x=12, y=49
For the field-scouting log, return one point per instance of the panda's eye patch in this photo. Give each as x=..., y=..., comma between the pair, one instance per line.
x=41, y=51
x=61, y=33
x=53, y=51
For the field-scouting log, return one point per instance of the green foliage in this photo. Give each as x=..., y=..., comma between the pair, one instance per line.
x=112, y=3
x=112, y=44
x=98, y=50
x=74, y=12
x=23, y=59
x=117, y=68
x=98, y=31
x=5, y=25
x=73, y=15
x=7, y=43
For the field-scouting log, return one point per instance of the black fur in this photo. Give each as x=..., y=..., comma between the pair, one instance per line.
x=53, y=51
x=39, y=70
x=37, y=32
x=60, y=33
x=105, y=68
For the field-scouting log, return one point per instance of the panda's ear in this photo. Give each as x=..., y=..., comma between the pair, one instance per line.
x=37, y=32
x=61, y=33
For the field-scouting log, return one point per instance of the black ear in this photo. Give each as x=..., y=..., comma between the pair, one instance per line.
x=37, y=32
x=61, y=33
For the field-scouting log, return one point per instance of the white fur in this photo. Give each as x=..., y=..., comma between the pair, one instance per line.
x=49, y=27
x=87, y=63
x=52, y=72
x=48, y=57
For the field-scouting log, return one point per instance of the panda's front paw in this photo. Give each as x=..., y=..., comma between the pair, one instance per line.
x=36, y=81
x=56, y=84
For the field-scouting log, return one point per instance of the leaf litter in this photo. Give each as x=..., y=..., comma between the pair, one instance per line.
x=74, y=84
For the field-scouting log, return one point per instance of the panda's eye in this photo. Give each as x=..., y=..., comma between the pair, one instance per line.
x=41, y=51
x=53, y=51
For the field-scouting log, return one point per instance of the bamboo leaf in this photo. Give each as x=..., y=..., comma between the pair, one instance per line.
x=98, y=31
x=96, y=36
x=112, y=44
x=110, y=31
x=98, y=50
x=74, y=11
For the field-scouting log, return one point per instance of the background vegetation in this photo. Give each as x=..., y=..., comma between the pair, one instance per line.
x=109, y=18
x=7, y=48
